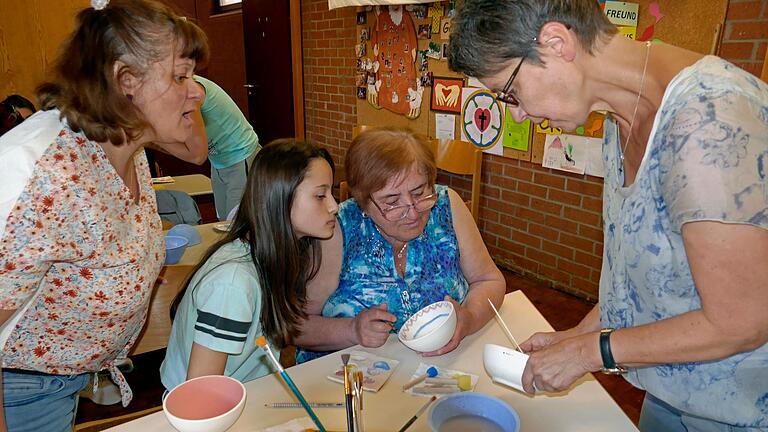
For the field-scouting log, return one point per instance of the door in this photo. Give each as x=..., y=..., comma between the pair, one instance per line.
x=268, y=67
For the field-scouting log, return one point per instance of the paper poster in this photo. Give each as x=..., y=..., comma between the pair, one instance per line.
x=376, y=370
x=622, y=13
x=445, y=126
x=595, y=166
x=482, y=120
x=565, y=152
x=446, y=94
x=516, y=135
x=474, y=82
x=628, y=31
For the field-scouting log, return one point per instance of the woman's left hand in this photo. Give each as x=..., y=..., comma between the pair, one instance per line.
x=463, y=323
x=556, y=367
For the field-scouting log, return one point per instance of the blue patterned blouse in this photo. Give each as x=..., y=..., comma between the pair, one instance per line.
x=368, y=274
x=707, y=159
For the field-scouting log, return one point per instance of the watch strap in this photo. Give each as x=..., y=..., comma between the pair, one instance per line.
x=609, y=364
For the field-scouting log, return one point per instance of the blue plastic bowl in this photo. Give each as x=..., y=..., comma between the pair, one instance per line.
x=174, y=248
x=470, y=404
x=187, y=231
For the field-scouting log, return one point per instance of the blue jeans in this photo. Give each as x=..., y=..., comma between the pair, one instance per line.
x=41, y=402
x=659, y=416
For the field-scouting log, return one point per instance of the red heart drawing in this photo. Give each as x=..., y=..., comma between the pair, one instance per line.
x=447, y=92
x=482, y=118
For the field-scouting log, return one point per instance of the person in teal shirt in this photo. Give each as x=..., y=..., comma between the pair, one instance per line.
x=252, y=282
x=232, y=145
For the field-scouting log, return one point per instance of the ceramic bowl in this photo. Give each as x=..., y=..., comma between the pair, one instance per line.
x=505, y=365
x=174, y=248
x=472, y=411
x=187, y=231
x=206, y=404
x=430, y=328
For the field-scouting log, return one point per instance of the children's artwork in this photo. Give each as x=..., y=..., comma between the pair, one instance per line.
x=566, y=153
x=434, y=50
x=446, y=381
x=446, y=94
x=624, y=16
x=445, y=29
x=419, y=11
x=376, y=370
x=545, y=128
x=436, y=13
x=444, y=52
x=361, y=93
x=595, y=166
x=396, y=85
x=655, y=10
x=482, y=120
x=361, y=17
x=516, y=135
x=425, y=31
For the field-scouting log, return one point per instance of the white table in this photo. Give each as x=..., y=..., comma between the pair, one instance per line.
x=585, y=407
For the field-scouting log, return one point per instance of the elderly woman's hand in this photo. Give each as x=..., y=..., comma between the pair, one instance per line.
x=555, y=365
x=464, y=320
x=372, y=326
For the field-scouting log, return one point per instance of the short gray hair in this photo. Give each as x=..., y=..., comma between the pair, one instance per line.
x=486, y=34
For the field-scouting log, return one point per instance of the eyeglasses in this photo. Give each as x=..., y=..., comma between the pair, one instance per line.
x=399, y=212
x=507, y=95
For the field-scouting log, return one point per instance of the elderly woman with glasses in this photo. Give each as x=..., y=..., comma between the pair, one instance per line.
x=401, y=243
x=683, y=291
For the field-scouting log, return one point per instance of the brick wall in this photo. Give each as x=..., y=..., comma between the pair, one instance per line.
x=328, y=39
x=745, y=36
x=542, y=223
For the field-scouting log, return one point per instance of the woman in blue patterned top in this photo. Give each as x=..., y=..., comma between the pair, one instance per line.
x=402, y=242
x=685, y=206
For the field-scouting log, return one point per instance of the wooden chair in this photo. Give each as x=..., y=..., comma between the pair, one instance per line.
x=460, y=157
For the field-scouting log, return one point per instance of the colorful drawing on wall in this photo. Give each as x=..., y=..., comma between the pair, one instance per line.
x=516, y=135
x=446, y=94
x=545, y=128
x=482, y=120
x=655, y=10
x=563, y=153
x=396, y=85
x=436, y=13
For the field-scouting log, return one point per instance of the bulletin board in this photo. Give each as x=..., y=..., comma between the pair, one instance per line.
x=694, y=25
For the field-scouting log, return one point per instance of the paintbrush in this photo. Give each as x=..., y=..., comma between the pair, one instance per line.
x=261, y=342
x=348, y=393
x=418, y=413
x=362, y=303
x=504, y=326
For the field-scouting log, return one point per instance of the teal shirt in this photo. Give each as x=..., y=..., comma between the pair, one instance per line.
x=220, y=311
x=231, y=138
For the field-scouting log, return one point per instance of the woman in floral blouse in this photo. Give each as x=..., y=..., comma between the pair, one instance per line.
x=80, y=240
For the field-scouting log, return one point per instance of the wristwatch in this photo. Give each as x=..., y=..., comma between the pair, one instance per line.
x=609, y=364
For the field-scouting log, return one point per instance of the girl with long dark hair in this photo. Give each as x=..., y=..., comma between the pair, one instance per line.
x=252, y=281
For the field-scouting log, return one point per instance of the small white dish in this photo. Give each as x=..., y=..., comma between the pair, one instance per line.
x=505, y=365
x=430, y=328
x=222, y=226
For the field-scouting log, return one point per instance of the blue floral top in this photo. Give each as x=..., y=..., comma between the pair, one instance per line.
x=368, y=276
x=707, y=159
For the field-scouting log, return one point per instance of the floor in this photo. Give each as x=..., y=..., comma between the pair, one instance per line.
x=561, y=310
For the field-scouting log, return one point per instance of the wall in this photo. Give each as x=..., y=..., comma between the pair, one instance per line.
x=542, y=223
x=746, y=34
x=30, y=35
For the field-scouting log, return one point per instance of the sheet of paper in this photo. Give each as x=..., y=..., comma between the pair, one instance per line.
x=445, y=126
x=565, y=152
x=516, y=135
x=595, y=165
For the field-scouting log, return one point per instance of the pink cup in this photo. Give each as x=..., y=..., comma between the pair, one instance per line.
x=206, y=404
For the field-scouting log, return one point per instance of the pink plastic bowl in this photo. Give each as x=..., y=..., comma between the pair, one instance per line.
x=205, y=404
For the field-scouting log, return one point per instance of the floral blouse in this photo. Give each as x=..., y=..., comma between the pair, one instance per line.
x=76, y=250
x=707, y=159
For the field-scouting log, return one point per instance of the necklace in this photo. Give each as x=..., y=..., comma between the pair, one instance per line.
x=637, y=103
x=402, y=249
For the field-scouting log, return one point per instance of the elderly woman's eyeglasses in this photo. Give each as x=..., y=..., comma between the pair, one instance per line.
x=399, y=212
x=507, y=95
